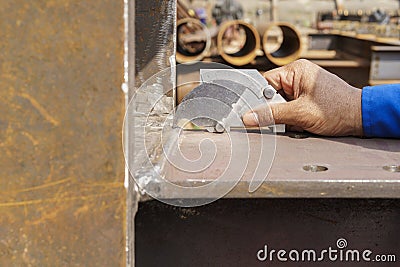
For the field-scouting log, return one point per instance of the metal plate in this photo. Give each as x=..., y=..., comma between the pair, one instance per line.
x=355, y=167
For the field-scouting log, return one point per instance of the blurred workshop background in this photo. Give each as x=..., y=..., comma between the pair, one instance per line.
x=349, y=38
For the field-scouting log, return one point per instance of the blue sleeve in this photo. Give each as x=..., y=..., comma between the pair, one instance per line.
x=381, y=110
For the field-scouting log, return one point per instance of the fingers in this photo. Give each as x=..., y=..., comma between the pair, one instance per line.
x=280, y=113
x=282, y=78
x=290, y=78
x=293, y=77
x=274, y=78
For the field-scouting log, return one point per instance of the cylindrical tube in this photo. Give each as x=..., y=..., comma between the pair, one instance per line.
x=193, y=40
x=238, y=42
x=290, y=46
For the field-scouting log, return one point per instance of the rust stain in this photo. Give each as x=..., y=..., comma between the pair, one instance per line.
x=46, y=185
x=30, y=137
x=81, y=210
x=108, y=185
x=50, y=215
x=56, y=199
x=41, y=109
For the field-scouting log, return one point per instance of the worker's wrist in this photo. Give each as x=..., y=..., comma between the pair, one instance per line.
x=356, y=112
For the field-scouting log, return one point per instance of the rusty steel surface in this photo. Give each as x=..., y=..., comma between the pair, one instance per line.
x=62, y=200
x=355, y=166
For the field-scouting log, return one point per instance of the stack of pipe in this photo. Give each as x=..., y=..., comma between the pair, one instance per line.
x=238, y=42
x=289, y=47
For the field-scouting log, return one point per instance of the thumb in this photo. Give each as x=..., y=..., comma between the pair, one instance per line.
x=266, y=115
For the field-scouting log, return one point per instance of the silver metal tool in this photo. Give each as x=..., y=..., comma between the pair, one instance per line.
x=223, y=97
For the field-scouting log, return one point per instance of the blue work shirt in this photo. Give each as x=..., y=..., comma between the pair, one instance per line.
x=381, y=110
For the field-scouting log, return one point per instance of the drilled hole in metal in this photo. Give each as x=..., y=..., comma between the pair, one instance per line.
x=315, y=168
x=392, y=168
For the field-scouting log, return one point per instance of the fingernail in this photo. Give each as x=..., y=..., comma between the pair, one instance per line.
x=250, y=119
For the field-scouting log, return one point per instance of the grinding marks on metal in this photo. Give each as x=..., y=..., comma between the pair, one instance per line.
x=206, y=105
x=224, y=96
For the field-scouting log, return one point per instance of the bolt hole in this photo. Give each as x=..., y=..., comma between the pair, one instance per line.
x=392, y=168
x=315, y=168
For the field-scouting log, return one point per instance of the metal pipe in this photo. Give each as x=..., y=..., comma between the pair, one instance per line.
x=238, y=42
x=289, y=47
x=193, y=40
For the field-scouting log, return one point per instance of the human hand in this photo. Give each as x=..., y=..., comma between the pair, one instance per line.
x=319, y=101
